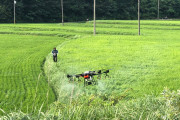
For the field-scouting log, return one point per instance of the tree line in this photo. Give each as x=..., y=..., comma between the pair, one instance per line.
x=81, y=10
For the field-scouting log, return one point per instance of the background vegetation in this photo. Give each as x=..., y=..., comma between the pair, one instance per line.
x=80, y=10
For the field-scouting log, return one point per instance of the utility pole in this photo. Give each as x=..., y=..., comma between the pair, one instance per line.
x=139, y=17
x=14, y=12
x=62, y=12
x=158, y=10
x=94, y=17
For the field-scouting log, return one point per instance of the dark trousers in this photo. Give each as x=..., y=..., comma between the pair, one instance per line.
x=55, y=58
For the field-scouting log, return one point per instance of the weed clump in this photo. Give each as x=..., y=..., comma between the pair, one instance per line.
x=166, y=107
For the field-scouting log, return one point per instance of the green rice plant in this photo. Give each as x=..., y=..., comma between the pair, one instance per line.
x=21, y=60
x=141, y=65
x=164, y=107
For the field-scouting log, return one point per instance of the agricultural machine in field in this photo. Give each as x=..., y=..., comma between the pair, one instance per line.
x=89, y=76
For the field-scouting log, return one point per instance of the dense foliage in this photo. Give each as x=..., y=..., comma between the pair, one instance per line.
x=165, y=107
x=80, y=10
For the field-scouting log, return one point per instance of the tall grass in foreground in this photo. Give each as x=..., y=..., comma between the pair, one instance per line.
x=165, y=107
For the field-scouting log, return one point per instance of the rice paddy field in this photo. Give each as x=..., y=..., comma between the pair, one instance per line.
x=143, y=82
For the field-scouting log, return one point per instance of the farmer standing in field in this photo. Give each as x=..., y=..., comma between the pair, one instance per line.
x=55, y=52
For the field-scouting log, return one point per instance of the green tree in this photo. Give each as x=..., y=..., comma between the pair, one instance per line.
x=80, y=10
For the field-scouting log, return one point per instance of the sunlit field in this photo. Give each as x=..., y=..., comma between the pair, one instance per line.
x=144, y=70
x=22, y=81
